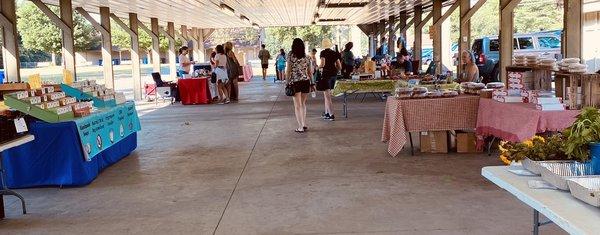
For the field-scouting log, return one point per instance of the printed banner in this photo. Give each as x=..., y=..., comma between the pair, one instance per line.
x=101, y=130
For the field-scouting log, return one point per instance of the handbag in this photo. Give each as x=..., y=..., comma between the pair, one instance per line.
x=213, y=77
x=289, y=90
x=233, y=68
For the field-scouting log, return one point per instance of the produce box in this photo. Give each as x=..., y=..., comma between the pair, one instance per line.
x=58, y=114
x=466, y=142
x=100, y=102
x=434, y=141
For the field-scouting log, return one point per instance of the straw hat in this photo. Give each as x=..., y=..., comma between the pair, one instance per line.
x=326, y=43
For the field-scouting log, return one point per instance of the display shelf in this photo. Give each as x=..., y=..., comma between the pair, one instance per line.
x=80, y=95
x=35, y=111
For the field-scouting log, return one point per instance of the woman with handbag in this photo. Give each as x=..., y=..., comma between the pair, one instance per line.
x=233, y=70
x=298, y=81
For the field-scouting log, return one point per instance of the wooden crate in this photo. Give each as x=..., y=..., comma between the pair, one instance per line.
x=590, y=87
x=542, y=79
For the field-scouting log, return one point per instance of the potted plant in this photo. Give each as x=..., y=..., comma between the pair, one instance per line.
x=582, y=139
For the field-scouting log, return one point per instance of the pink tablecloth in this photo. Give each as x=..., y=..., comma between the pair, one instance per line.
x=517, y=122
x=247, y=73
x=412, y=115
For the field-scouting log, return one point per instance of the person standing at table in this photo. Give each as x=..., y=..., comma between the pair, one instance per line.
x=234, y=65
x=330, y=66
x=298, y=75
x=280, y=61
x=348, y=60
x=470, y=72
x=184, y=61
x=214, y=91
x=222, y=77
x=264, y=57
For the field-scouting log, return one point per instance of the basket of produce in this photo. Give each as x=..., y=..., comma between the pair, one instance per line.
x=558, y=174
x=586, y=188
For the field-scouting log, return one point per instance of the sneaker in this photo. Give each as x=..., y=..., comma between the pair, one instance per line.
x=324, y=115
x=330, y=117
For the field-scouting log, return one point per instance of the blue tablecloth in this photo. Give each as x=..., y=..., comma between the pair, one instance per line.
x=55, y=157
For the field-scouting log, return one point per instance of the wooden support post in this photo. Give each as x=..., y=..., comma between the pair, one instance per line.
x=437, y=35
x=382, y=32
x=391, y=35
x=68, y=42
x=572, y=40
x=65, y=23
x=418, y=35
x=402, y=27
x=10, y=42
x=172, y=50
x=155, y=45
x=506, y=35
x=132, y=30
x=464, y=38
x=109, y=79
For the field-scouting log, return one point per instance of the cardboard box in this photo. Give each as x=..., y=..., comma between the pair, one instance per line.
x=434, y=142
x=466, y=142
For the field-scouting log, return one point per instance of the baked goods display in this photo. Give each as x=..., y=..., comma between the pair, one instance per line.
x=572, y=65
x=472, y=87
x=423, y=92
x=495, y=85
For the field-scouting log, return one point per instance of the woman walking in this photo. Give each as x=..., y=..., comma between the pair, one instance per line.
x=221, y=72
x=330, y=66
x=280, y=62
x=234, y=65
x=299, y=77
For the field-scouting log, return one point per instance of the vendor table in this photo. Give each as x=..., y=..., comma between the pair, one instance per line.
x=194, y=91
x=415, y=115
x=517, y=122
x=572, y=215
x=56, y=157
x=348, y=87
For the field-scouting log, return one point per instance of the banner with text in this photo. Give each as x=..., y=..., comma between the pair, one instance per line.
x=101, y=130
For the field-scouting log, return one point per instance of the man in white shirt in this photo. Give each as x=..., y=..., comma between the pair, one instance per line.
x=184, y=61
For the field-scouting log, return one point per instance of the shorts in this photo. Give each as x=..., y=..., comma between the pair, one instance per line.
x=302, y=86
x=326, y=83
x=265, y=66
x=280, y=68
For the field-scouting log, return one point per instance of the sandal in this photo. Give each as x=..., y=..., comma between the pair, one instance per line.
x=299, y=131
x=305, y=128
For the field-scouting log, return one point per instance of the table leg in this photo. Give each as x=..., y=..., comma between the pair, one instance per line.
x=489, y=147
x=537, y=223
x=412, y=149
x=345, y=105
x=6, y=191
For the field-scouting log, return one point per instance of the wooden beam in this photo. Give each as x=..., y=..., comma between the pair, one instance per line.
x=467, y=16
x=135, y=56
x=109, y=78
x=172, y=51
x=182, y=34
x=408, y=25
x=403, y=18
x=437, y=35
x=100, y=28
x=68, y=41
x=53, y=17
x=122, y=24
x=366, y=29
x=147, y=30
x=10, y=41
x=506, y=35
x=572, y=40
x=166, y=33
x=464, y=41
x=391, y=36
x=155, y=44
x=418, y=31
x=206, y=33
x=425, y=20
x=447, y=13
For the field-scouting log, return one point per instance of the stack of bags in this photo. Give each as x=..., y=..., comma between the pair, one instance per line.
x=548, y=63
x=519, y=60
x=572, y=65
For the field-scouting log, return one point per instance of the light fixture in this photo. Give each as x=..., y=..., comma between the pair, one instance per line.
x=332, y=20
x=317, y=16
x=245, y=19
x=227, y=9
x=344, y=5
x=255, y=26
x=313, y=23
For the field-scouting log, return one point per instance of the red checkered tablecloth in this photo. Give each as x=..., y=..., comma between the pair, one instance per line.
x=517, y=122
x=440, y=114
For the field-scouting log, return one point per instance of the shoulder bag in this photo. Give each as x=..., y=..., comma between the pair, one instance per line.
x=289, y=90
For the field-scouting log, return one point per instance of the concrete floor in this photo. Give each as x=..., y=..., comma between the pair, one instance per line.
x=239, y=169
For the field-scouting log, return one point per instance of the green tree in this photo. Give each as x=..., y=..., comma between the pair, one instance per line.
x=282, y=37
x=39, y=33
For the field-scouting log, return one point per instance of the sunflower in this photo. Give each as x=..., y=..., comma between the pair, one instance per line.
x=538, y=138
x=505, y=160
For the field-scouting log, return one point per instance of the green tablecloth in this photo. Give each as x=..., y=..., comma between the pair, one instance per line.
x=367, y=86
